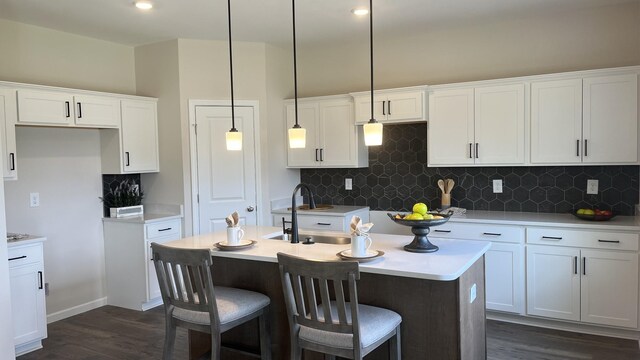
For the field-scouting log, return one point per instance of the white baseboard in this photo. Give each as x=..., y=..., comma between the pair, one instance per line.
x=79, y=309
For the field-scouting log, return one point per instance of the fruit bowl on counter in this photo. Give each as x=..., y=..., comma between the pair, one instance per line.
x=594, y=214
x=420, y=227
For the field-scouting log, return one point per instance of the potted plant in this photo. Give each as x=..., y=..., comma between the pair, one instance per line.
x=124, y=200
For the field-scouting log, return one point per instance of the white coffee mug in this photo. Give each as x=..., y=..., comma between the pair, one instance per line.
x=359, y=245
x=234, y=235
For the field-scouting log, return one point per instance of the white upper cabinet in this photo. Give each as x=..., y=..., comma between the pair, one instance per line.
x=97, y=111
x=139, y=136
x=53, y=108
x=451, y=127
x=591, y=120
x=8, y=116
x=477, y=126
x=391, y=106
x=332, y=139
x=499, y=124
x=556, y=121
x=610, y=119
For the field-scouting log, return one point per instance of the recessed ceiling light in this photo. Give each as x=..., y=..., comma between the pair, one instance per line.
x=144, y=5
x=360, y=12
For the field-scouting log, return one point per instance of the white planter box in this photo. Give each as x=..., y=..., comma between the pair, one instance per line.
x=126, y=211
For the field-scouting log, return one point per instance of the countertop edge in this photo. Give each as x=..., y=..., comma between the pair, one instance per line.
x=27, y=241
x=145, y=219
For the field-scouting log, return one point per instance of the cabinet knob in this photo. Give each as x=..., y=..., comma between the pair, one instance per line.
x=250, y=209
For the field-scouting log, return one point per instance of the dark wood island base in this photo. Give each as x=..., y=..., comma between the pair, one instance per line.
x=439, y=322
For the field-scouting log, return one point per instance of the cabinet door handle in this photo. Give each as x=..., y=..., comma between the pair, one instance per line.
x=40, y=285
x=492, y=234
x=575, y=265
x=477, y=152
x=12, y=161
x=552, y=237
x=126, y=154
x=442, y=231
x=389, y=107
x=470, y=151
x=321, y=155
x=79, y=110
x=578, y=147
x=324, y=224
x=18, y=257
x=68, y=108
x=165, y=229
x=586, y=147
x=584, y=266
x=383, y=112
x=609, y=241
x=317, y=155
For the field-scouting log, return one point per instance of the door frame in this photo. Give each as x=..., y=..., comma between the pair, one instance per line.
x=193, y=154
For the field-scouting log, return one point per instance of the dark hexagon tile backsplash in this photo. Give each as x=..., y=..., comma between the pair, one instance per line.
x=398, y=177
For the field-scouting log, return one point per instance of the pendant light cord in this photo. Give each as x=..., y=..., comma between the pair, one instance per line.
x=233, y=117
x=295, y=65
x=372, y=120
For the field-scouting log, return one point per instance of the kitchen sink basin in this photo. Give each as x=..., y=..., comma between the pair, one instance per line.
x=324, y=239
x=317, y=208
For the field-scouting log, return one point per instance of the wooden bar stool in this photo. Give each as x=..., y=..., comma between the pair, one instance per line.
x=331, y=324
x=191, y=301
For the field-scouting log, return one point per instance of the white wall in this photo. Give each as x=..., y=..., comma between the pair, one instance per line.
x=63, y=166
x=37, y=55
x=588, y=39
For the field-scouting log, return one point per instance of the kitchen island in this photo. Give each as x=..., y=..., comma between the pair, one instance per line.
x=440, y=295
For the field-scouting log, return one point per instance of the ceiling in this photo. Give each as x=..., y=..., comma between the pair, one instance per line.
x=268, y=20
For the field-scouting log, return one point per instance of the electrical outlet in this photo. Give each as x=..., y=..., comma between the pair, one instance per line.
x=473, y=293
x=592, y=187
x=497, y=186
x=34, y=199
x=348, y=184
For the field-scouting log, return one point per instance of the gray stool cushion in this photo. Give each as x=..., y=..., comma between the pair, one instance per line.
x=232, y=305
x=375, y=323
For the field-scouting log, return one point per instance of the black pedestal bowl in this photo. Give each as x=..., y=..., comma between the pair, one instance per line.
x=421, y=228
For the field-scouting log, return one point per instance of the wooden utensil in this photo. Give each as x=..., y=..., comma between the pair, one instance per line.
x=449, y=184
x=441, y=185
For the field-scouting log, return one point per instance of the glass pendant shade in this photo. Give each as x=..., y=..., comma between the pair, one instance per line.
x=373, y=134
x=297, y=138
x=234, y=140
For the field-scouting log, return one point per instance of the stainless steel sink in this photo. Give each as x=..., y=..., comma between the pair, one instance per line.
x=325, y=239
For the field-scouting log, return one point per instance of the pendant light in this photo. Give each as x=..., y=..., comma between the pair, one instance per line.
x=372, y=129
x=297, y=135
x=233, y=136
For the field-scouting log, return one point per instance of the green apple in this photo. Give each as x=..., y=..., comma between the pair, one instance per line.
x=589, y=212
x=414, y=216
x=581, y=211
x=420, y=208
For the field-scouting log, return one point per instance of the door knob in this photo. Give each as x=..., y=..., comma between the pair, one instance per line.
x=250, y=209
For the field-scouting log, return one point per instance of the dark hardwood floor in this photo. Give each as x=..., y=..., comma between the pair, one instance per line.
x=111, y=333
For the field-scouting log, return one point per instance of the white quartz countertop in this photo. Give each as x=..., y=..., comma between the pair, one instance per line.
x=26, y=241
x=144, y=219
x=336, y=210
x=625, y=223
x=448, y=263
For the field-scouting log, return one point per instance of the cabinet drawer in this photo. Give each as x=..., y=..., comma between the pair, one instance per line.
x=19, y=255
x=498, y=233
x=164, y=229
x=333, y=223
x=585, y=239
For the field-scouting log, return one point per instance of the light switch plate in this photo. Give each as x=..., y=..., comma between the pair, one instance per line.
x=592, y=186
x=497, y=186
x=348, y=184
x=34, y=199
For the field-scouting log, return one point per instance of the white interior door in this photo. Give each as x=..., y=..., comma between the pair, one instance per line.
x=226, y=179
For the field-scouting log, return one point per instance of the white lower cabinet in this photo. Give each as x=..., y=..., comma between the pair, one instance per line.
x=504, y=262
x=569, y=281
x=26, y=274
x=131, y=275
